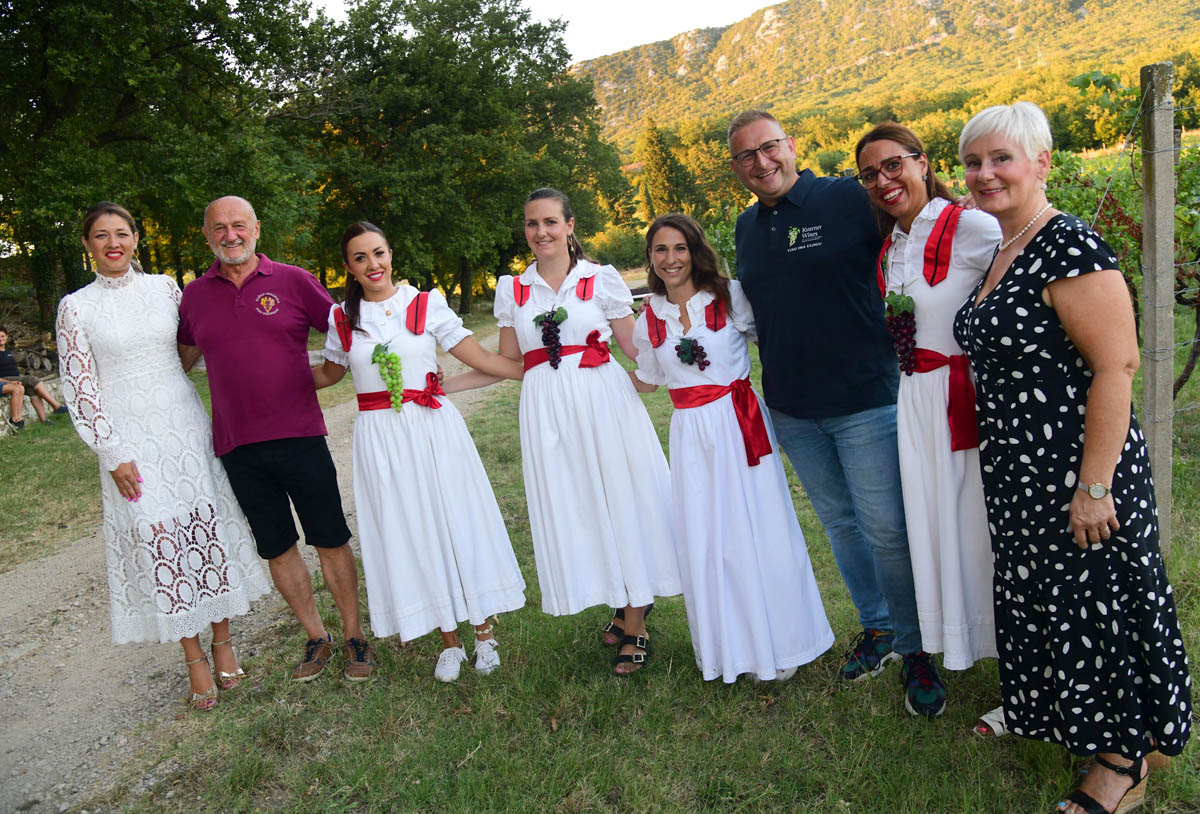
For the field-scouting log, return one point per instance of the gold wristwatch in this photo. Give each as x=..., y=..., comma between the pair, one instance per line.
x=1095, y=490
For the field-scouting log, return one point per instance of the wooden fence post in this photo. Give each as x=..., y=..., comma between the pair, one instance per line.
x=1158, y=282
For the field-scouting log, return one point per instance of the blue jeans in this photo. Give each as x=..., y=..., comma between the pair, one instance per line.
x=850, y=468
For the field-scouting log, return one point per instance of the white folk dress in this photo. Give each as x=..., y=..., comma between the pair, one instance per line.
x=596, y=479
x=182, y=556
x=943, y=491
x=434, y=547
x=753, y=605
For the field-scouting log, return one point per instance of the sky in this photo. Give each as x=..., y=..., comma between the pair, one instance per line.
x=599, y=27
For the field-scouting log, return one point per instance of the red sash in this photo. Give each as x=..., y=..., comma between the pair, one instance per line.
x=414, y=320
x=595, y=353
x=382, y=400
x=745, y=406
x=937, y=249
x=960, y=410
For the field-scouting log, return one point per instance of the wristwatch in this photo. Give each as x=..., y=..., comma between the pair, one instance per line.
x=1095, y=490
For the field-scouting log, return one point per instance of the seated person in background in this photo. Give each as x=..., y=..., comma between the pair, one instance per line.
x=14, y=385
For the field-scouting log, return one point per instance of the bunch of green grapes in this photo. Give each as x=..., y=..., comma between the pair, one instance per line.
x=390, y=372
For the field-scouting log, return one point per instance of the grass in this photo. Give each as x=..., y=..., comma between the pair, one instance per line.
x=554, y=731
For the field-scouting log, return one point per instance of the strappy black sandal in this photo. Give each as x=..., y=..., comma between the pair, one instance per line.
x=1129, y=800
x=618, y=632
x=612, y=627
x=642, y=643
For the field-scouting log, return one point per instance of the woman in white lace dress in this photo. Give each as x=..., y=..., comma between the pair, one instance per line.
x=180, y=555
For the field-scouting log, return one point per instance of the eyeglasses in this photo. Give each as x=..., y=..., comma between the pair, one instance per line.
x=768, y=148
x=889, y=168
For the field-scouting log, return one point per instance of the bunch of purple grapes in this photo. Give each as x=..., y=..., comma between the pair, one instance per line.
x=549, y=322
x=691, y=352
x=902, y=325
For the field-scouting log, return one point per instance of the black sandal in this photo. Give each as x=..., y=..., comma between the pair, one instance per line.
x=1127, y=802
x=642, y=643
x=615, y=629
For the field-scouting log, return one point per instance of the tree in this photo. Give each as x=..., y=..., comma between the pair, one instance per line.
x=152, y=116
x=669, y=186
x=441, y=117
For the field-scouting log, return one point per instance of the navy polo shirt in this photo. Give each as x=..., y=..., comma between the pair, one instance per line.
x=807, y=265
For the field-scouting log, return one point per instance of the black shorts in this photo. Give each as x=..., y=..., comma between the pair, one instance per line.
x=264, y=475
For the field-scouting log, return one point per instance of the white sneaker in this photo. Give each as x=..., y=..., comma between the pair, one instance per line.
x=449, y=663
x=486, y=657
x=784, y=675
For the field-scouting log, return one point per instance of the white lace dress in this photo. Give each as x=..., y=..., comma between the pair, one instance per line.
x=182, y=556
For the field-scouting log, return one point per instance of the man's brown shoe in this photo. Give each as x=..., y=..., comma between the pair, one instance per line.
x=317, y=653
x=360, y=660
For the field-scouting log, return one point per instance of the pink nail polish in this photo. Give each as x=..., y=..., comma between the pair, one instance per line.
x=139, y=478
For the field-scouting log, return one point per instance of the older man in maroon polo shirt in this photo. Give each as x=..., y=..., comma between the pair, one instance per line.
x=250, y=317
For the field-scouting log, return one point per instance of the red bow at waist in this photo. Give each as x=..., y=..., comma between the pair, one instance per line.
x=382, y=400
x=595, y=353
x=964, y=429
x=745, y=407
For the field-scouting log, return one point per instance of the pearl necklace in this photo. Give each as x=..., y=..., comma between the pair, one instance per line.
x=1004, y=244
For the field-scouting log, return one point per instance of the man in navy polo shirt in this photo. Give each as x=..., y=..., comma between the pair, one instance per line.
x=250, y=317
x=806, y=254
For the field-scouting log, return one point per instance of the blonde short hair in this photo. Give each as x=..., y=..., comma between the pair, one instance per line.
x=1022, y=122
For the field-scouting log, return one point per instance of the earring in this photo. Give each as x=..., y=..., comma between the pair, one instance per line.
x=924, y=178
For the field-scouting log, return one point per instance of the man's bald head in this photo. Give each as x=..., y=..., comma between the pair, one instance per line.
x=232, y=230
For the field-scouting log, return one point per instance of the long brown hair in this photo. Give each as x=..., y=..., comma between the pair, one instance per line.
x=906, y=138
x=354, y=291
x=109, y=208
x=574, y=249
x=706, y=274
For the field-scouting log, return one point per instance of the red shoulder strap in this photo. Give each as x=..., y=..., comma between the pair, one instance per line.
x=939, y=244
x=879, y=278
x=714, y=315
x=342, y=324
x=520, y=292
x=657, y=327
x=586, y=287
x=414, y=317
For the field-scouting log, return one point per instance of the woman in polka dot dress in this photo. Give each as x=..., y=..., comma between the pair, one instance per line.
x=1091, y=656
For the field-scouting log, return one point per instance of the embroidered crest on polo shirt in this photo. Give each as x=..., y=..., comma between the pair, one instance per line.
x=268, y=304
x=804, y=237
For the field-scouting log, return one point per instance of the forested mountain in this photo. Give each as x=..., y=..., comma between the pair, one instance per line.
x=906, y=57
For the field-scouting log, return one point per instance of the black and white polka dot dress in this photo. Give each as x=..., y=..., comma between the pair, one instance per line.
x=1091, y=656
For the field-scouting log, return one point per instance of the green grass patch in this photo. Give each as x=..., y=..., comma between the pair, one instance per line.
x=554, y=731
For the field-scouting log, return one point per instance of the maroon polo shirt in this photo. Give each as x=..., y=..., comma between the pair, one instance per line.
x=255, y=345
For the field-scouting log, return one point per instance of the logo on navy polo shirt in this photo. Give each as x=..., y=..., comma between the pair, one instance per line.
x=809, y=237
x=268, y=304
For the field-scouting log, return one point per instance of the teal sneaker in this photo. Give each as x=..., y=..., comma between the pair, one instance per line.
x=924, y=692
x=868, y=655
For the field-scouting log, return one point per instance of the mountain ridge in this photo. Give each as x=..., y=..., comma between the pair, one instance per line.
x=801, y=58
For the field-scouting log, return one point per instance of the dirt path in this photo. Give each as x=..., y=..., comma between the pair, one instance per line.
x=75, y=707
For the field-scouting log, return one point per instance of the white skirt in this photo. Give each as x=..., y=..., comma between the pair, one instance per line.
x=753, y=605
x=947, y=526
x=434, y=548
x=598, y=489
